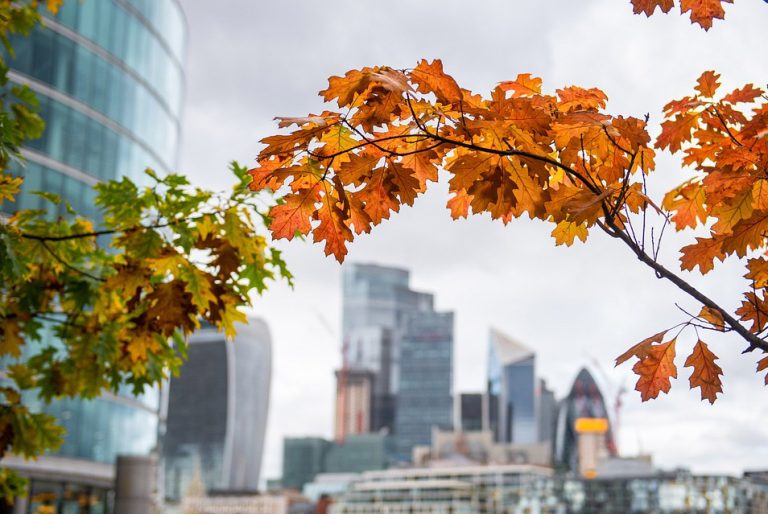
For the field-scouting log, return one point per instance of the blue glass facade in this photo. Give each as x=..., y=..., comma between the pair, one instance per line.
x=109, y=77
x=426, y=378
x=511, y=391
x=110, y=81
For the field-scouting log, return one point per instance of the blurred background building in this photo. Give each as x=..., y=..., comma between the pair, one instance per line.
x=217, y=411
x=397, y=360
x=584, y=401
x=109, y=76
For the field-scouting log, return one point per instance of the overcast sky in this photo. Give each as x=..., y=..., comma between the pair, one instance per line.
x=249, y=61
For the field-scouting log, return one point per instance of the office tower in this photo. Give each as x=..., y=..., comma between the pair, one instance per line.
x=426, y=378
x=585, y=401
x=217, y=411
x=511, y=390
x=546, y=413
x=392, y=339
x=471, y=412
x=376, y=302
x=108, y=74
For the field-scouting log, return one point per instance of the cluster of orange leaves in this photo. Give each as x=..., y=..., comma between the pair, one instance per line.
x=701, y=12
x=521, y=152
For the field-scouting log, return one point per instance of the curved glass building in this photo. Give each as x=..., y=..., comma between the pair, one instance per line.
x=110, y=80
x=584, y=401
x=217, y=411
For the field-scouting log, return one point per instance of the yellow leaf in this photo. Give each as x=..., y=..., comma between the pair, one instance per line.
x=566, y=232
x=230, y=315
x=206, y=226
x=10, y=338
x=54, y=5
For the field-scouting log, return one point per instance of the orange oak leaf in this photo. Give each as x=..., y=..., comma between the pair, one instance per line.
x=713, y=316
x=523, y=86
x=706, y=373
x=357, y=169
x=430, y=78
x=704, y=11
x=422, y=163
x=347, y=87
x=656, y=370
x=641, y=349
x=687, y=202
x=332, y=228
x=702, y=254
x=676, y=131
x=406, y=185
x=459, y=204
x=745, y=94
x=762, y=365
x=574, y=98
x=648, y=6
x=758, y=272
x=755, y=309
x=708, y=84
x=293, y=216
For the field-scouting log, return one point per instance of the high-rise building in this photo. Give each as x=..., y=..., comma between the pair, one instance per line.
x=109, y=77
x=392, y=338
x=511, y=390
x=585, y=401
x=376, y=303
x=546, y=412
x=217, y=411
x=426, y=377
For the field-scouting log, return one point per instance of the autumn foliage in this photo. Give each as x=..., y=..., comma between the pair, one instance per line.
x=557, y=157
x=702, y=12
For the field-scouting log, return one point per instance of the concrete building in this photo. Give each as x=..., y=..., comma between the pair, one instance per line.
x=536, y=490
x=217, y=411
x=110, y=81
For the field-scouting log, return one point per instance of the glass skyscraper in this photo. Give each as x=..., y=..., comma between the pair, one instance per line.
x=110, y=80
x=217, y=411
x=393, y=336
x=584, y=401
x=424, y=400
x=511, y=390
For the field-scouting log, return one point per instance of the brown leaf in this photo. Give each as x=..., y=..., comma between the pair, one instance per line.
x=641, y=349
x=706, y=374
x=762, y=365
x=714, y=317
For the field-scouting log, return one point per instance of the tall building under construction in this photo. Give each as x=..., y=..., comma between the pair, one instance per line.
x=392, y=336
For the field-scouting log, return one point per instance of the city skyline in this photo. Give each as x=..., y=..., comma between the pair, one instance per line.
x=518, y=280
